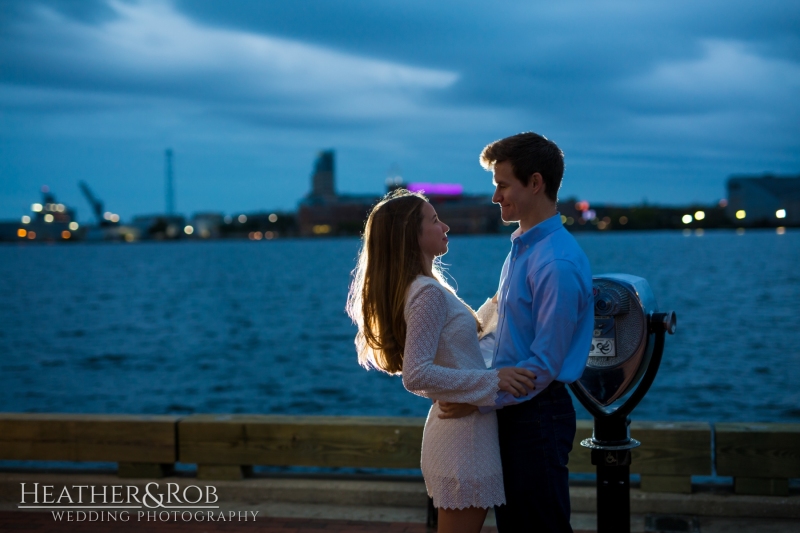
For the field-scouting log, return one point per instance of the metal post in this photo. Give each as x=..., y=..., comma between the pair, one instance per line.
x=433, y=515
x=611, y=447
x=614, y=498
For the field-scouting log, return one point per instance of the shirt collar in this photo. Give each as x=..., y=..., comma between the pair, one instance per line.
x=539, y=231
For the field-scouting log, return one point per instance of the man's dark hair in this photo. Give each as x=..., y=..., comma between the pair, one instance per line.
x=528, y=153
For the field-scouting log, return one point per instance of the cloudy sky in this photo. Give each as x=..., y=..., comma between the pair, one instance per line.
x=649, y=100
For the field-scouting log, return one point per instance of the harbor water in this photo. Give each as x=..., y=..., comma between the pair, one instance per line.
x=259, y=327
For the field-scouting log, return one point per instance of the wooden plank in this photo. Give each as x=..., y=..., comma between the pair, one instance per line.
x=671, y=448
x=300, y=441
x=761, y=486
x=668, y=448
x=223, y=472
x=751, y=450
x=82, y=437
x=673, y=484
x=144, y=470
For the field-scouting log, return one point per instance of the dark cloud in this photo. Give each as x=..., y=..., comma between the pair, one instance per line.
x=633, y=91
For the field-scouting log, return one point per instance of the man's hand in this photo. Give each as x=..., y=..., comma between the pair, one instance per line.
x=517, y=381
x=455, y=410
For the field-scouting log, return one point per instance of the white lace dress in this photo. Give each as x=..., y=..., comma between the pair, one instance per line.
x=442, y=361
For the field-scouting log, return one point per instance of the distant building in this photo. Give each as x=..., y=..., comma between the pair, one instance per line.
x=207, y=225
x=323, y=179
x=764, y=200
x=157, y=227
x=323, y=212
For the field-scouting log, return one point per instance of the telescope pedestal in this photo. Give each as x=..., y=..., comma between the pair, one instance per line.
x=613, y=494
x=611, y=446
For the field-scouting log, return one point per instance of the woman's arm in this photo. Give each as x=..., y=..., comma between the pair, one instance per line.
x=426, y=313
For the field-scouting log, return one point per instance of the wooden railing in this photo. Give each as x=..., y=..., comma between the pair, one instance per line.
x=760, y=457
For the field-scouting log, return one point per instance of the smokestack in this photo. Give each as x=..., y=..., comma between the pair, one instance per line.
x=169, y=184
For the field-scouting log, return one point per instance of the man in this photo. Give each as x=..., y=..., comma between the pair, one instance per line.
x=545, y=324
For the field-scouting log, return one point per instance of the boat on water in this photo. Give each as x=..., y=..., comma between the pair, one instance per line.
x=49, y=221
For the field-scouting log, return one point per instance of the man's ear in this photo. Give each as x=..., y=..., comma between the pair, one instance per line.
x=536, y=183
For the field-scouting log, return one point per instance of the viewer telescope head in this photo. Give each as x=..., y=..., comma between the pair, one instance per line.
x=627, y=344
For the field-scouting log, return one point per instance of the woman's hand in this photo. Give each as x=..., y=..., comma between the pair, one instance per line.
x=517, y=381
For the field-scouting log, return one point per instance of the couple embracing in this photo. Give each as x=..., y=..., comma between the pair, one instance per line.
x=499, y=436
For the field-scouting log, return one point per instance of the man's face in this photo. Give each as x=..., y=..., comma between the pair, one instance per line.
x=516, y=200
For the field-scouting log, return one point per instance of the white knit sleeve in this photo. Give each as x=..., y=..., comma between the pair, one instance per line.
x=426, y=314
x=487, y=314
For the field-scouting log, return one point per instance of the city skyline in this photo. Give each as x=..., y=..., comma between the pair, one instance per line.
x=662, y=101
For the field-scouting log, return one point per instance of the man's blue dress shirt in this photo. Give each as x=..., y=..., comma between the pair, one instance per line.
x=545, y=308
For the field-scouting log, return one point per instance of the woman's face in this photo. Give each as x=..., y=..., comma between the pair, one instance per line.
x=433, y=234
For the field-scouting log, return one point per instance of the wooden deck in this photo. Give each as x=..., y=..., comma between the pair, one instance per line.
x=43, y=522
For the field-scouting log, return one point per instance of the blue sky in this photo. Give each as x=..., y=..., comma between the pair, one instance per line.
x=655, y=100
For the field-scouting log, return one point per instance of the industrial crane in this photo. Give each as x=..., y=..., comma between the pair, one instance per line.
x=103, y=219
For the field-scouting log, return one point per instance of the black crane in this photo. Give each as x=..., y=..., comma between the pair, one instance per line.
x=97, y=205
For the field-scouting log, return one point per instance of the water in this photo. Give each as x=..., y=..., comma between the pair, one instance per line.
x=259, y=327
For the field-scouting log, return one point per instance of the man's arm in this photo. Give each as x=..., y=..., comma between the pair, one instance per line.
x=456, y=410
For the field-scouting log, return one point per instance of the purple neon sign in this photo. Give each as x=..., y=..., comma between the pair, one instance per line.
x=445, y=189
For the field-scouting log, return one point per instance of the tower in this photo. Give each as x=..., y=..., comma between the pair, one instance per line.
x=170, y=189
x=322, y=182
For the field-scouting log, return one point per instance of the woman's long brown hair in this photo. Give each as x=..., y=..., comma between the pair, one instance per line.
x=389, y=260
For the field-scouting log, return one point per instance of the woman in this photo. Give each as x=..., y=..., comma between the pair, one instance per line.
x=410, y=322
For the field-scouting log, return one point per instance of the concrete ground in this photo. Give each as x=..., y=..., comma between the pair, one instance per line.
x=284, y=504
